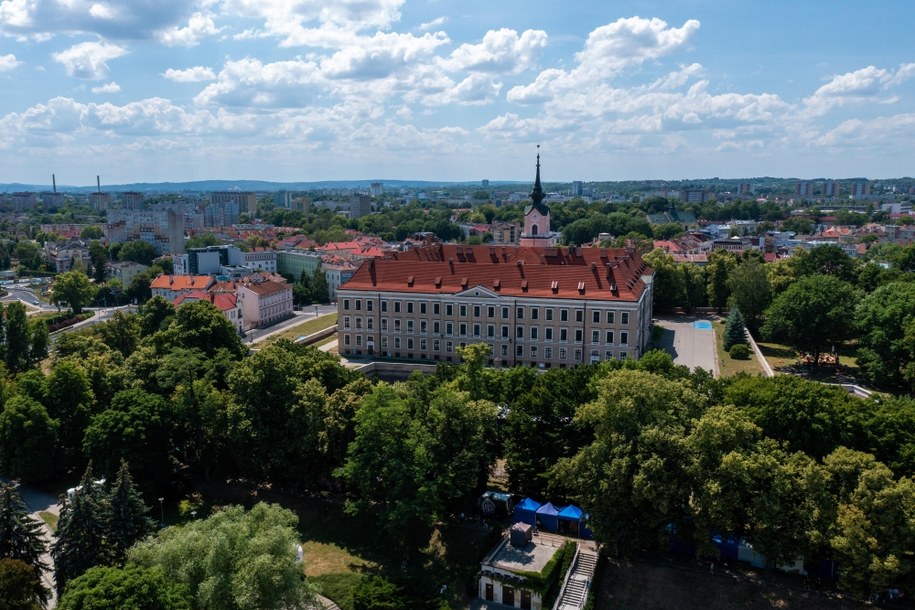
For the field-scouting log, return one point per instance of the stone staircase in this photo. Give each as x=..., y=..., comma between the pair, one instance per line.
x=574, y=592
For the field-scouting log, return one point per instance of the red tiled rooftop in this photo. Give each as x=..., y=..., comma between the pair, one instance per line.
x=181, y=282
x=570, y=273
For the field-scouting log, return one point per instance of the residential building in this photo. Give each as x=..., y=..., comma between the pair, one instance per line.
x=163, y=228
x=132, y=200
x=283, y=199
x=21, y=202
x=63, y=255
x=294, y=262
x=261, y=259
x=53, y=200
x=245, y=201
x=694, y=196
x=124, y=271
x=99, y=201
x=170, y=286
x=861, y=190
x=577, y=188
x=265, y=300
x=804, y=189
x=337, y=272
x=830, y=189
x=226, y=302
x=505, y=233
x=359, y=206
x=376, y=189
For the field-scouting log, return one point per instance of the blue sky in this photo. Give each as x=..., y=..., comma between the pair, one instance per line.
x=303, y=90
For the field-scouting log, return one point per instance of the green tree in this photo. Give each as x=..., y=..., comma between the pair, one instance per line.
x=137, y=251
x=378, y=593
x=233, y=560
x=16, y=332
x=131, y=587
x=72, y=288
x=28, y=254
x=748, y=284
x=28, y=437
x=813, y=314
x=882, y=318
x=827, y=259
x=633, y=478
x=134, y=428
x=98, y=254
x=199, y=325
x=121, y=332
x=320, y=292
x=20, y=586
x=734, y=332
x=154, y=315
x=669, y=287
x=720, y=264
x=694, y=286
x=71, y=402
x=20, y=536
x=80, y=537
x=91, y=232
x=128, y=520
x=201, y=240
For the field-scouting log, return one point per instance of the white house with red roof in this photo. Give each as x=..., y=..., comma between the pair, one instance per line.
x=265, y=299
x=171, y=286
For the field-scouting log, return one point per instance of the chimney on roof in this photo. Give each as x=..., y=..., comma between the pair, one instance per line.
x=520, y=264
x=451, y=264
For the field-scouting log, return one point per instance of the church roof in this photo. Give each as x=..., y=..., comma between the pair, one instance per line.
x=537, y=195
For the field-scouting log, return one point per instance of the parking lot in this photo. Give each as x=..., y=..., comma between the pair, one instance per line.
x=690, y=344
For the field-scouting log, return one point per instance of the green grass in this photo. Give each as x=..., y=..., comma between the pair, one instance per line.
x=784, y=360
x=304, y=329
x=338, y=587
x=49, y=518
x=727, y=366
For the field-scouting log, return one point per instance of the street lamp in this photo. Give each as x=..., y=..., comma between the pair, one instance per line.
x=162, y=512
x=316, y=311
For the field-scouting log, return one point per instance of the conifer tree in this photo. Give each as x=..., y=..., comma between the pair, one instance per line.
x=80, y=535
x=127, y=516
x=734, y=332
x=20, y=535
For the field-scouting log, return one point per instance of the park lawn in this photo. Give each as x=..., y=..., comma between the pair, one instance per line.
x=784, y=360
x=304, y=329
x=727, y=366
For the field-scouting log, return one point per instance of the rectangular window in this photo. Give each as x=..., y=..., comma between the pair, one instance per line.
x=549, y=334
x=505, y=313
x=491, y=330
x=578, y=334
x=410, y=343
x=563, y=315
x=610, y=317
x=358, y=304
x=504, y=350
x=384, y=343
x=422, y=309
x=476, y=311
x=449, y=328
x=409, y=306
x=563, y=334
x=624, y=338
x=609, y=338
x=535, y=313
x=436, y=309
x=519, y=332
x=549, y=313
x=595, y=317
x=463, y=311
x=476, y=330
x=608, y=355
x=346, y=322
x=624, y=318
x=548, y=352
x=396, y=342
x=463, y=329
x=595, y=336
x=519, y=313
x=370, y=323
x=579, y=315
x=345, y=339
x=384, y=324
x=533, y=351
x=504, y=332
x=397, y=325
x=358, y=323
x=396, y=306
x=409, y=326
x=422, y=326
x=449, y=310
x=577, y=355
x=359, y=340
x=562, y=353
x=436, y=328
x=384, y=307
x=369, y=305
x=519, y=351
x=449, y=346
x=423, y=344
x=535, y=332
x=436, y=345
x=624, y=355
x=491, y=311
x=345, y=304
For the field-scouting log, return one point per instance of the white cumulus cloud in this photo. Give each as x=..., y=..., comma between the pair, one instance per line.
x=196, y=74
x=8, y=62
x=111, y=87
x=501, y=51
x=199, y=26
x=89, y=60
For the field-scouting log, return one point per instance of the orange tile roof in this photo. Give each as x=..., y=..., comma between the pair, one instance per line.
x=609, y=274
x=224, y=301
x=180, y=282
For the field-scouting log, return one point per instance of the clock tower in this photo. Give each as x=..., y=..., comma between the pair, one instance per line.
x=537, y=231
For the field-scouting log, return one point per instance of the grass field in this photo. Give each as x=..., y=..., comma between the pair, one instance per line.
x=784, y=361
x=304, y=329
x=727, y=366
x=49, y=518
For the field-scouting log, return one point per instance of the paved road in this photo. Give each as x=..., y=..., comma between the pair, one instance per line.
x=688, y=345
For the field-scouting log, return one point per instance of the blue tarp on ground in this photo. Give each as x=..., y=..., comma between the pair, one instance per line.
x=548, y=517
x=525, y=511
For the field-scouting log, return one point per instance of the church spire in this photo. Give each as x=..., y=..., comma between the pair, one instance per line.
x=537, y=195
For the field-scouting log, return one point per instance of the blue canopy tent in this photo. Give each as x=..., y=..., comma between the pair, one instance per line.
x=548, y=516
x=570, y=519
x=525, y=511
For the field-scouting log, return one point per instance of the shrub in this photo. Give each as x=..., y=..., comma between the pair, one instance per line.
x=740, y=351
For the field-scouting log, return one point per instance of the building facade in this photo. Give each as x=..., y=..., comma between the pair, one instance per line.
x=549, y=307
x=264, y=300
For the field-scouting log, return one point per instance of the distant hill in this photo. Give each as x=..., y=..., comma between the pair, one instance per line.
x=241, y=185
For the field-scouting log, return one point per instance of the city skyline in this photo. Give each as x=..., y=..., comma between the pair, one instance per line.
x=393, y=89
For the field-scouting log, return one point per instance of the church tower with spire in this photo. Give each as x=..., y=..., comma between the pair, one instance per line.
x=537, y=231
